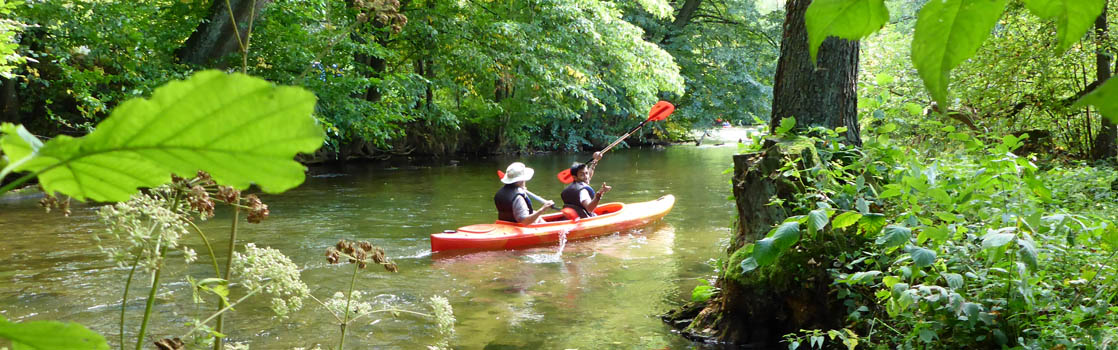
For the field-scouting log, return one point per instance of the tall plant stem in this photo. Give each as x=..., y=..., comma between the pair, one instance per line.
x=348, y=298
x=228, y=271
x=124, y=299
x=220, y=312
x=151, y=299
x=17, y=182
x=213, y=257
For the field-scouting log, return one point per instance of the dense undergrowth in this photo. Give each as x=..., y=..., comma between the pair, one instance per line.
x=967, y=244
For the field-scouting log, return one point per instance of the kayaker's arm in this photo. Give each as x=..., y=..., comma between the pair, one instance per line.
x=592, y=204
x=532, y=217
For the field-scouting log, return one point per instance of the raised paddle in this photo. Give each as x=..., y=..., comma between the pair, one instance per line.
x=660, y=111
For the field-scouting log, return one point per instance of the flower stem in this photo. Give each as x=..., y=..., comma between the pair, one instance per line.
x=220, y=312
x=228, y=273
x=151, y=299
x=217, y=270
x=124, y=299
x=348, y=298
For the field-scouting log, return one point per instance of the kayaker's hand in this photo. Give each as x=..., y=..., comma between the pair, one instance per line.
x=605, y=188
x=597, y=156
x=547, y=204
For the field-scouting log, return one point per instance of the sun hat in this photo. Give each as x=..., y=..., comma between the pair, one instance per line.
x=517, y=172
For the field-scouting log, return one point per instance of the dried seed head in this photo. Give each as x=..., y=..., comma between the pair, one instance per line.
x=200, y=201
x=228, y=194
x=258, y=211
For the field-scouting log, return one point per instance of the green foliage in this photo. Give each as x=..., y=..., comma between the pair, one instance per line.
x=947, y=33
x=51, y=335
x=238, y=128
x=703, y=292
x=1073, y=17
x=1105, y=98
x=846, y=19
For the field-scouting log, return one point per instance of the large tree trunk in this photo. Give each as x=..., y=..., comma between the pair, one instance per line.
x=758, y=308
x=1104, y=146
x=682, y=18
x=216, y=36
x=823, y=96
x=9, y=101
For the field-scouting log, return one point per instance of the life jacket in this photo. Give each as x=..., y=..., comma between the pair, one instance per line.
x=504, y=199
x=570, y=197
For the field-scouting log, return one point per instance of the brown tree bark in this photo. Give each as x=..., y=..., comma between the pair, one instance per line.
x=682, y=18
x=816, y=96
x=216, y=36
x=9, y=101
x=1104, y=146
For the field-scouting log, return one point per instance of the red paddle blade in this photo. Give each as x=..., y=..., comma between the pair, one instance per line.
x=565, y=176
x=500, y=174
x=569, y=213
x=660, y=111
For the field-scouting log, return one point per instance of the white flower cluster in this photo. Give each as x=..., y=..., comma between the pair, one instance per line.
x=269, y=269
x=444, y=318
x=358, y=308
x=146, y=222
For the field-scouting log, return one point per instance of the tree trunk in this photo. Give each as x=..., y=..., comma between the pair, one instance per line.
x=215, y=37
x=681, y=19
x=1104, y=146
x=9, y=101
x=816, y=96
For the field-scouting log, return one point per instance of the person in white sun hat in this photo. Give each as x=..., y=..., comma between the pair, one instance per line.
x=512, y=199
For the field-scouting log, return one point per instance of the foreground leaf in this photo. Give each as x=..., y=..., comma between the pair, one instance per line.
x=949, y=32
x=51, y=335
x=240, y=129
x=18, y=144
x=1073, y=17
x=1104, y=98
x=785, y=236
x=846, y=19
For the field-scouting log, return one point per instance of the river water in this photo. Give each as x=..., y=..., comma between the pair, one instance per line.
x=602, y=293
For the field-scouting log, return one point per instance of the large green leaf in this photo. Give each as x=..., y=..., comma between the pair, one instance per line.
x=847, y=19
x=895, y=235
x=816, y=220
x=922, y=256
x=51, y=335
x=997, y=238
x=1073, y=17
x=17, y=144
x=872, y=223
x=947, y=33
x=785, y=236
x=240, y=129
x=845, y=219
x=765, y=252
x=1104, y=98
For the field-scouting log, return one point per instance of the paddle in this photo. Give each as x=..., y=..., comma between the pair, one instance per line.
x=501, y=175
x=660, y=111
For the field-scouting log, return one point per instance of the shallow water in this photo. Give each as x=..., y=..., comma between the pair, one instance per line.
x=602, y=293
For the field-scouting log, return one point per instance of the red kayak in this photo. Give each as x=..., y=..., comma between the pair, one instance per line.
x=612, y=217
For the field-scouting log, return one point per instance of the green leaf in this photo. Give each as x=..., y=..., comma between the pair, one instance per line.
x=895, y=235
x=954, y=280
x=240, y=129
x=817, y=220
x=765, y=252
x=702, y=293
x=1073, y=17
x=1104, y=98
x=922, y=257
x=785, y=236
x=1028, y=252
x=845, y=219
x=51, y=335
x=786, y=125
x=935, y=233
x=847, y=19
x=872, y=223
x=997, y=238
x=887, y=128
x=18, y=144
x=949, y=32
x=748, y=264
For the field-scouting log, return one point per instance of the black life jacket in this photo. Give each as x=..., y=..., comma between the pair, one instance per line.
x=504, y=199
x=570, y=198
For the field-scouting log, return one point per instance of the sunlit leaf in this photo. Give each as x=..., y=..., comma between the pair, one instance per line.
x=817, y=220
x=1073, y=17
x=947, y=33
x=240, y=129
x=996, y=239
x=846, y=19
x=786, y=125
x=18, y=144
x=786, y=235
x=51, y=335
x=765, y=252
x=954, y=280
x=1104, y=98
x=845, y=219
x=872, y=223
